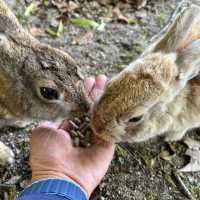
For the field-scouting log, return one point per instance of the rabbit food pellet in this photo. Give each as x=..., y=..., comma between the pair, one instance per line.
x=81, y=131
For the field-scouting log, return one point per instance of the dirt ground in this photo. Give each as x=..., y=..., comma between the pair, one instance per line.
x=117, y=38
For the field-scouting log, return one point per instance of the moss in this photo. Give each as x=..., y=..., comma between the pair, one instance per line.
x=121, y=152
x=144, y=153
x=152, y=196
x=121, y=67
x=138, y=48
x=196, y=190
x=169, y=179
x=161, y=19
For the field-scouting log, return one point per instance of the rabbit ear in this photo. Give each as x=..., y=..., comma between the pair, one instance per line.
x=188, y=47
x=183, y=29
x=183, y=39
x=9, y=25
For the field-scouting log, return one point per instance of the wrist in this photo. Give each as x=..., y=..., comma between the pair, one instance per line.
x=36, y=177
x=53, y=186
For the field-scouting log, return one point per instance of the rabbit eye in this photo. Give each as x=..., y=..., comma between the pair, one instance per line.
x=49, y=93
x=136, y=119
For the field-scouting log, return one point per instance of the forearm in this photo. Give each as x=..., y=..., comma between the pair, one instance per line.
x=53, y=189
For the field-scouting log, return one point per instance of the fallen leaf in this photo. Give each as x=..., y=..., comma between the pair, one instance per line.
x=61, y=5
x=36, y=32
x=56, y=31
x=168, y=153
x=192, y=144
x=60, y=29
x=194, y=164
x=194, y=153
x=119, y=15
x=83, y=22
x=72, y=6
x=101, y=26
x=123, y=18
x=51, y=31
x=64, y=6
x=165, y=155
x=30, y=9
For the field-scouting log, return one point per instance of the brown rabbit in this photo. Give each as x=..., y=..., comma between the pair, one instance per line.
x=36, y=80
x=159, y=93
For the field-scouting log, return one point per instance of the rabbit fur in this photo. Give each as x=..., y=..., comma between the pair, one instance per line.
x=37, y=82
x=159, y=93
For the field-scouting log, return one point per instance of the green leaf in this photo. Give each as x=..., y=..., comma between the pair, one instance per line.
x=101, y=26
x=52, y=32
x=56, y=31
x=30, y=9
x=83, y=22
x=60, y=29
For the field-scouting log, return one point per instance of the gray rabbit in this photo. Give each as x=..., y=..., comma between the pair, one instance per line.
x=36, y=80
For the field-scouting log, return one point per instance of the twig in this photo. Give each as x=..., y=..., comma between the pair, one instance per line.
x=133, y=154
x=183, y=186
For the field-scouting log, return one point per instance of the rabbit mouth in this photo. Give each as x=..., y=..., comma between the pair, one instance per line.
x=118, y=134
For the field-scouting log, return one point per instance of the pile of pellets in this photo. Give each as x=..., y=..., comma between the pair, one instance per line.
x=81, y=132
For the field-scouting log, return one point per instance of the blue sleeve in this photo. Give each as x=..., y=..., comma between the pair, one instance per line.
x=53, y=189
x=43, y=197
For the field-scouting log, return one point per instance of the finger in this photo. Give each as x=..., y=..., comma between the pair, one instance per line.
x=49, y=124
x=100, y=81
x=89, y=84
x=51, y=137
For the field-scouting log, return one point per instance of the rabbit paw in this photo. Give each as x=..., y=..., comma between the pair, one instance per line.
x=6, y=155
x=174, y=136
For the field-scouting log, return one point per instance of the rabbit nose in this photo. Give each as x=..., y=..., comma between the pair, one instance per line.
x=84, y=106
x=81, y=106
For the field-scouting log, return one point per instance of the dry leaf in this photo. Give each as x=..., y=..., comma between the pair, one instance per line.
x=61, y=5
x=194, y=153
x=192, y=144
x=121, y=17
x=36, y=32
x=65, y=7
x=30, y=9
x=166, y=155
x=194, y=164
x=138, y=3
x=72, y=6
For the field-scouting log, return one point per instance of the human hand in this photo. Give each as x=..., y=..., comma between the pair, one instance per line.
x=53, y=154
